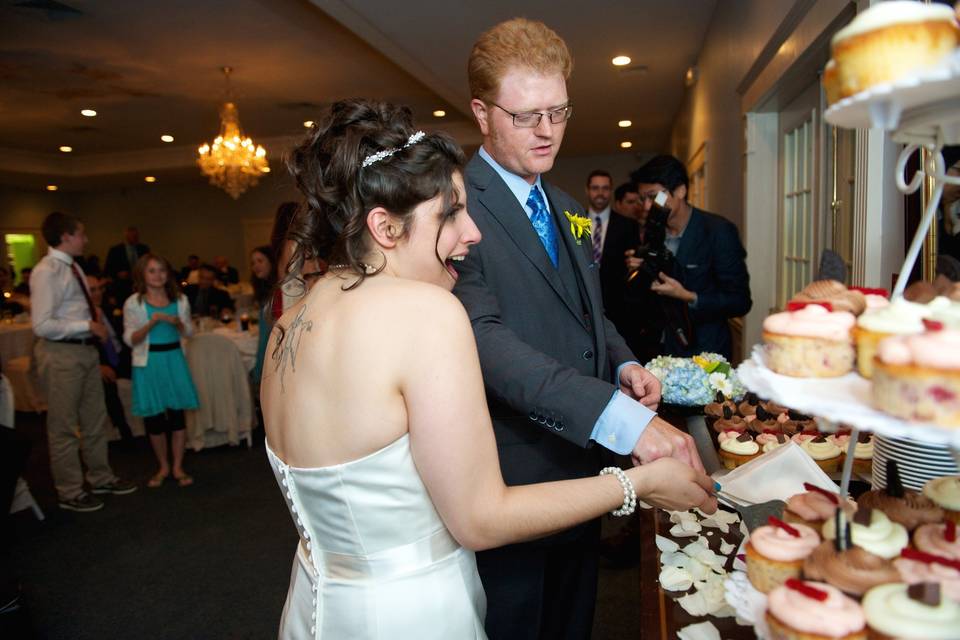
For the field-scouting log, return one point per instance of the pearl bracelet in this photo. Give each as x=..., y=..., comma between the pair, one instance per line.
x=629, y=494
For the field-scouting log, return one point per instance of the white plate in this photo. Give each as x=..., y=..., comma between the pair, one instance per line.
x=750, y=604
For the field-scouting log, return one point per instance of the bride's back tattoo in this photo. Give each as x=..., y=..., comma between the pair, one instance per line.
x=288, y=342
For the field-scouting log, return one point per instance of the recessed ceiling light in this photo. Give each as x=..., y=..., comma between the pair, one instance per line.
x=66, y=149
x=88, y=112
x=439, y=113
x=52, y=187
x=621, y=61
x=166, y=138
x=149, y=179
x=626, y=144
x=265, y=170
x=308, y=123
x=624, y=124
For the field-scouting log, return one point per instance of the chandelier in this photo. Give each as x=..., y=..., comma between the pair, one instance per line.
x=232, y=161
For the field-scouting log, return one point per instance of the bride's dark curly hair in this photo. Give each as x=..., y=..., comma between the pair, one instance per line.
x=340, y=192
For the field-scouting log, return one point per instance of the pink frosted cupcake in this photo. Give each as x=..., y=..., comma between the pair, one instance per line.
x=815, y=506
x=775, y=552
x=918, y=377
x=918, y=566
x=811, y=342
x=769, y=441
x=803, y=610
x=938, y=539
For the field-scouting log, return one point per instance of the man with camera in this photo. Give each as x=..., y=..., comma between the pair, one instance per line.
x=692, y=262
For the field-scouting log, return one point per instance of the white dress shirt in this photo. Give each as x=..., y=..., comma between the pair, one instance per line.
x=58, y=307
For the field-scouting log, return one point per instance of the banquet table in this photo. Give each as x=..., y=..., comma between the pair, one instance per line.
x=16, y=340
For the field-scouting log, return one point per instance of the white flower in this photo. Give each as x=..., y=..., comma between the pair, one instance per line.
x=719, y=382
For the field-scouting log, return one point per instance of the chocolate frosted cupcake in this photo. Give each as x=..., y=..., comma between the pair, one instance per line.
x=749, y=405
x=909, y=508
x=852, y=569
x=721, y=408
x=724, y=425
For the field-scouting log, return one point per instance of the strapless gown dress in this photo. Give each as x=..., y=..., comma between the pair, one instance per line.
x=374, y=558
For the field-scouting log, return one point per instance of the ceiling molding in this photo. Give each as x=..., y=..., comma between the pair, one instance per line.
x=393, y=51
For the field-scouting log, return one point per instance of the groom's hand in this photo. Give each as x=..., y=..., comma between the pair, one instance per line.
x=641, y=385
x=662, y=440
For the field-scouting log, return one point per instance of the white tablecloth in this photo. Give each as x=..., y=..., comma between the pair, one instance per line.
x=16, y=340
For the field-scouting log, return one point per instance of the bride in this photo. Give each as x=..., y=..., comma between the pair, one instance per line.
x=376, y=421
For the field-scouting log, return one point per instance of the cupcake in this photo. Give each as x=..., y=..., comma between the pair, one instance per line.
x=775, y=552
x=938, y=539
x=872, y=531
x=726, y=425
x=918, y=567
x=916, y=611
x=748, y=406
x=804, y=436
x=719, y=408
x=812, y=342
x=946, y=312
x=834, y=293
x=737, y=449
x=945, y=493
x=803, y=610
x=900, y=318
x=862, y=453
x=815, y=506
x=918, y=377
x=764, y=420
x=826, y=454
x=909, y=508
x=768, y=441
x=805, y=422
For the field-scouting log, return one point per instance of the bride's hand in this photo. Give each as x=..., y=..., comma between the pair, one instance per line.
x=672, y=485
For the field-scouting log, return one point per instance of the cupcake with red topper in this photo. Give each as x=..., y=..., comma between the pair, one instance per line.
x=938, y=539
x=815, y=506
x=804, y=610
x=809, y=341
x=918, y=377
x=775, y=553
x=909, y=508
x=910, y=611
x=919, y=566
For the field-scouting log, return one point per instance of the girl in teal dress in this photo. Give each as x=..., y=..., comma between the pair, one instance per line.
x=154, y=318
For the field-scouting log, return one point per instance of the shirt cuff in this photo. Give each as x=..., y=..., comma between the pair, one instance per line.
x=621, y=423
x=696, y=299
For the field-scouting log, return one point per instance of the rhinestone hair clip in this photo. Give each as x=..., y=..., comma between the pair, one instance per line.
x=386, y=153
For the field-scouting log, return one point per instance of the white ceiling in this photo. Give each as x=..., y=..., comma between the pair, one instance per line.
x=151, y=68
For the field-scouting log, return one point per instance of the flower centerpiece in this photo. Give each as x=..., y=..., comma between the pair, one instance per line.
x=695, y=381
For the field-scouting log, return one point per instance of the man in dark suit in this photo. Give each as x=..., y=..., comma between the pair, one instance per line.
x=712, y=274
x=225, y=273
x=205, y=298
x=122, y=257
x=559, y=378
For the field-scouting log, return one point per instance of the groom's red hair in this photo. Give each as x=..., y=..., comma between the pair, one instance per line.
x=515, y=43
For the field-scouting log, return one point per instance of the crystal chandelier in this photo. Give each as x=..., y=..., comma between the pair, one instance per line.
x=232, y=161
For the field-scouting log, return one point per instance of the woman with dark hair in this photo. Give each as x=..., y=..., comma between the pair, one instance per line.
x=375, y=415
x=263, y=277
x=154, y=319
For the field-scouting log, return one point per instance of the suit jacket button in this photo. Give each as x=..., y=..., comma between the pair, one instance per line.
x=588, y=354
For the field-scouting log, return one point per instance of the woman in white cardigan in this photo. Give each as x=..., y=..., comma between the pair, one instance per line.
x=154, y=319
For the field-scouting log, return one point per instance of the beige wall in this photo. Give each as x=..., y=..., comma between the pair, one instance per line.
x=711, y=110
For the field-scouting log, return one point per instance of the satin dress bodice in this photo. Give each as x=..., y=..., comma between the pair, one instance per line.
x=374, y=559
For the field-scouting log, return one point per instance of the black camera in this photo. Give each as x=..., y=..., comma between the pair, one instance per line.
x=656, y=257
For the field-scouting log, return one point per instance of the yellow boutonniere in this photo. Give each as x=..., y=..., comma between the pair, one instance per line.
x=579, y=225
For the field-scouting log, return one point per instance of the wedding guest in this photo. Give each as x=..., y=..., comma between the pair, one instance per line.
x=263, y=277
x=120, y=260
x=560, y=380
x=24, y=286
x=225, y=273
x=69, y=329
x=206, y=299
x=154, y=318
x=193, y=263
x=110, y=350
x=376, y=421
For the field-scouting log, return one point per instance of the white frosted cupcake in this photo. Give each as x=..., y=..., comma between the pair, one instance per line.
x=945, y=493
x=737, y=449
x=826, y=454
x=863, y=452
x=873, y=531
x=893, y=612
x=811, y=342
x=900, y=317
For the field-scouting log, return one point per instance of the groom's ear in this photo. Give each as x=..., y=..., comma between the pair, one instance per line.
x=481, y=113
x=383, y=227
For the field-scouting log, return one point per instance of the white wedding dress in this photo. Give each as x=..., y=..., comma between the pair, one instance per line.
x=374, y=558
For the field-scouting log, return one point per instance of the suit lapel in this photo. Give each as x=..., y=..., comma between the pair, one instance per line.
x=690, y=239
x=578, y=252
x=499, y=201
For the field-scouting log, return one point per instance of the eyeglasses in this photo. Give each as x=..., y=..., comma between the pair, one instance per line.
x=531, y=119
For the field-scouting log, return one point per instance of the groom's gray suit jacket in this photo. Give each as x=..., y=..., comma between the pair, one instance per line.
x=547, y=352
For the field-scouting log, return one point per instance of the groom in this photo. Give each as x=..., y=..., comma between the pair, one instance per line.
x=559, y=378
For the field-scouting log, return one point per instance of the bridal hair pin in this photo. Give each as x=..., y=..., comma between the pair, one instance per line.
x=386, y=153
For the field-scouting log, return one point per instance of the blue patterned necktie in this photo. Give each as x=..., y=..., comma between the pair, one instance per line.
x=540, y=219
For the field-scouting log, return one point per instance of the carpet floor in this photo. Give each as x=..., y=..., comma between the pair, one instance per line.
x=207, y=561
